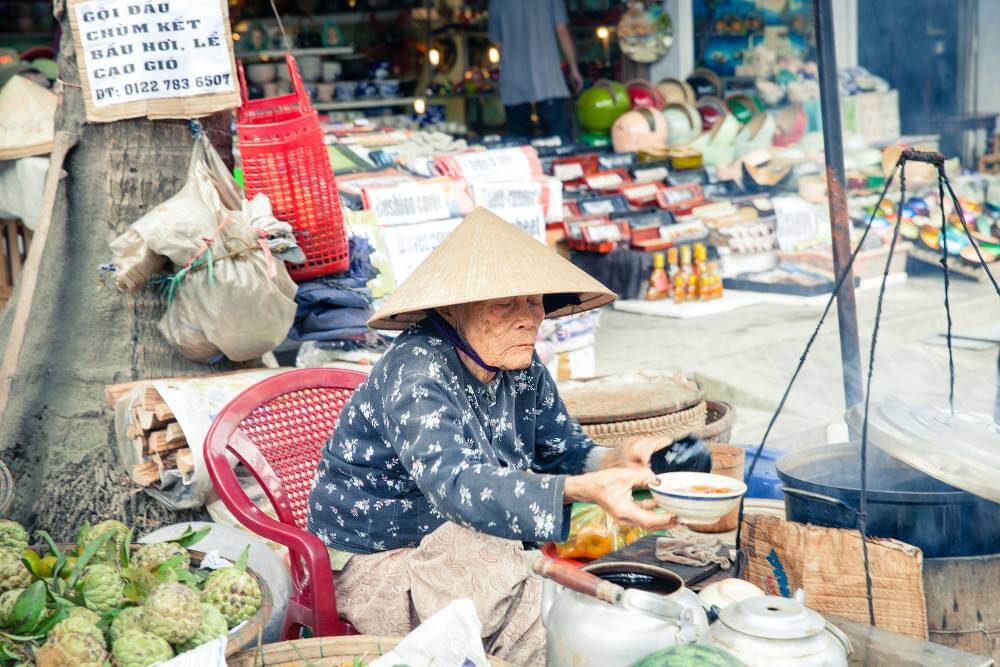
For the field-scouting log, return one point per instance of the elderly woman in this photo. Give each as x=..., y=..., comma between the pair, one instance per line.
x=457, y=448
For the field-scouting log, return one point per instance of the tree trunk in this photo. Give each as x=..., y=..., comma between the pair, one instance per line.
x=57, y=435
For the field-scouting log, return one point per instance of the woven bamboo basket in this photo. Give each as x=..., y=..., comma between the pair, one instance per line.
x=674, y=426
x=322, y=652
x=719, y=421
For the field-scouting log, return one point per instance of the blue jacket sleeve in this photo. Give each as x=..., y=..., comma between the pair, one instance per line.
x=427, y=426
x=560, y=446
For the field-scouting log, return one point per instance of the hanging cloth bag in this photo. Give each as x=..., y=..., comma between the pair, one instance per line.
x=228, y=296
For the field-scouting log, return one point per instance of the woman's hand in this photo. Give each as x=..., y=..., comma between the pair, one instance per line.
x=634, y=453
x=611, y=489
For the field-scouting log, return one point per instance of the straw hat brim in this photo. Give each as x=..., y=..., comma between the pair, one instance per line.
x=486, y=258
x=27, y=119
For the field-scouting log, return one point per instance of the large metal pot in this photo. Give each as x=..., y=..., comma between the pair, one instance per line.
x=774, y=631
x=822, y=487
x=583, y=631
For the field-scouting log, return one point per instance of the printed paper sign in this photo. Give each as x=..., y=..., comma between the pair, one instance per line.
x=164, y=59
x=408, y=245
x=512, y=163
x=798, y=223
x=407, y=203
x=502, y=194
x=529, y=219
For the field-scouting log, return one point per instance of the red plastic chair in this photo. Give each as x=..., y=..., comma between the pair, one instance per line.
x=277, y=429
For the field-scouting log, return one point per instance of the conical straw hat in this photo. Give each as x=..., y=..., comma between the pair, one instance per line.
x=27, y=119
x=484, y=258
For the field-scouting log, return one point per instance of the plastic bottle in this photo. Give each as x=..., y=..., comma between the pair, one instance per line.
x=659, y=284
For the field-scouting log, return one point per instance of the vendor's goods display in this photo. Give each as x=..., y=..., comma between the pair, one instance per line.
x=105, y=601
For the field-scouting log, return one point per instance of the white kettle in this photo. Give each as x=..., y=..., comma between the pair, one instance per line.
x=613, y=614
x=773, y=631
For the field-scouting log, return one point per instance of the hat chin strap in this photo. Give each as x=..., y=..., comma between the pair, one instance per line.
x=449, y=333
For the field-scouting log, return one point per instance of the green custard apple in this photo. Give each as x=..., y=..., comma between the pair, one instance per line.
x=101, y=587
x=214, y=625
x=13, y=535
x=82, y=612
x=127, y=620
x=13, y=573
x=233, y=592
x=7, y=601
x=151, y=556
x=77, y=624
x=140, y=649
x=109, y=552
x=73, y=649
x=172, y=611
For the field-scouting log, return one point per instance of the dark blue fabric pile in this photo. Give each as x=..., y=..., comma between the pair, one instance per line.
x=336, y=308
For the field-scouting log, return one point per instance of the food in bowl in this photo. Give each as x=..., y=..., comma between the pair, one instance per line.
x=697, y=498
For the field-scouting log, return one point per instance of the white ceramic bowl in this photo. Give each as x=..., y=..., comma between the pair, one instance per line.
x=674, y=493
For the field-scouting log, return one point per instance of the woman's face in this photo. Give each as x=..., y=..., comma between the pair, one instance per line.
x=501, y=331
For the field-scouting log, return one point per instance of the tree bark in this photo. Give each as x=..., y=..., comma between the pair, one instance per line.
x=82, y=336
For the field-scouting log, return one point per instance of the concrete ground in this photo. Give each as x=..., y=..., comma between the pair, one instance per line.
x=746, y=357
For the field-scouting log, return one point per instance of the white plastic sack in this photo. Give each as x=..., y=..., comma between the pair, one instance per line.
x=230, y=297
x=449, y=638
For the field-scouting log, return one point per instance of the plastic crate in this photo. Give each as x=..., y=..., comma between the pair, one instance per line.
x=283, y=156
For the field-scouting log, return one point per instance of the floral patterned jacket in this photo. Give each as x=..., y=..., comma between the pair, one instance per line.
x=422, y=441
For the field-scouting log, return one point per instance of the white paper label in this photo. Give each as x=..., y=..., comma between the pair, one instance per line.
x=512, y=163
x=494, y=195
x=608, y=232
x=642, y=192
x=568, y=171
x=797, y=223
x=210, y=654
x=529, y=219
x=148, y=50
x=408, y=245
x=408, y=203
x=604, y=181
x=677, y=195
x=600, y=206
x=651, y=174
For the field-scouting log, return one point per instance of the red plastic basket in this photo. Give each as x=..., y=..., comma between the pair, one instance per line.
x=283, y=155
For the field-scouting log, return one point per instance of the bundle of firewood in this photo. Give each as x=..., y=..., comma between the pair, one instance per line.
x=156, y=437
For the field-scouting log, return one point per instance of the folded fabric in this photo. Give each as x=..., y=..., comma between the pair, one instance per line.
x=333, y=318
x=318, y=293
x=683, y=547
x=357, y=334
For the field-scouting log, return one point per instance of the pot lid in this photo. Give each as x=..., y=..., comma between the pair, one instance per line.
x=962, y=450
x=772, y=617
x=628, y=396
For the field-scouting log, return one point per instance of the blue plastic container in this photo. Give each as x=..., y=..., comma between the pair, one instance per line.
x=765, y=482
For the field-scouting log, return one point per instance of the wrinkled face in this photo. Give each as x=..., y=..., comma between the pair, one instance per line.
x=501, y=331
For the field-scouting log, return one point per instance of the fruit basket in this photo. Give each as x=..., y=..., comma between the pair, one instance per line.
x=105, y=598
x=350, y=651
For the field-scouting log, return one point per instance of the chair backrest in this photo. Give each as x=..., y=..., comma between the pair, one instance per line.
x=278, y=427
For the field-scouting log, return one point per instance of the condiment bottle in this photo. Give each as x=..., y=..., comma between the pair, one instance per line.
x=659, y=285
x=690, y=278
x=680, y=281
